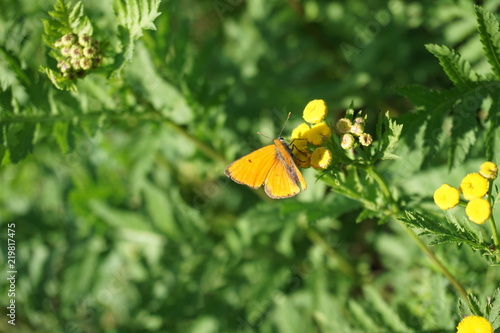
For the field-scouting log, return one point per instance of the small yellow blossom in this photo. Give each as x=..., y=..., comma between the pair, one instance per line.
x=474, y=324
x=347, y=141
x=446, y=197
x=321, y=158
x=474, y=186
x=365, y=139
x=488, y=170
x=315, y=111
x=300, y=132
x=478, y=210
x=317, y=134
x=343, y=126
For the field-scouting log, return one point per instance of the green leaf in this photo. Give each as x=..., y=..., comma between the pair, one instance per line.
x=489, y=34
x=493, y=129
x=457, y=69
x=133, y=17
x=463, y=133
x=494, y=310
x=451, y=232
x=20, y=140
x=388, y=133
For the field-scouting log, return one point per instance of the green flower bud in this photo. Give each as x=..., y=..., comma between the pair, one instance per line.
x=76, y=51
x=85, y=40
x=357, y=129
x=66, y=51
x=365, y=139
x=347, y=141
x=89, y=51
x=86, y=63
x=68, y=39
x=75, y=63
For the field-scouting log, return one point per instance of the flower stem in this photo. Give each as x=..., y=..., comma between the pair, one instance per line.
x=397, y=212
x=494, y=232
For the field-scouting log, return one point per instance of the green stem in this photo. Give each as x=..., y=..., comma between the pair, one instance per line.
x=397, y=212
x=492, y=219
x=343, y=264
x=494, y=231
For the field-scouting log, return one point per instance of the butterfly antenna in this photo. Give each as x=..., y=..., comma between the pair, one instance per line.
x=286, y=121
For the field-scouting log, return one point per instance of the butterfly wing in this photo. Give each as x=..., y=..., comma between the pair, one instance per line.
x=282, y=179
x=252, y=169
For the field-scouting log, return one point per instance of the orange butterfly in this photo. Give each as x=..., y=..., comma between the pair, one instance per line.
x=273, y=166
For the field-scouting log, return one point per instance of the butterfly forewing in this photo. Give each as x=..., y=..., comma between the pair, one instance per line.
x=252, y=169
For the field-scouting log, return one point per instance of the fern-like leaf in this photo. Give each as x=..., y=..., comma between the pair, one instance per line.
x=451, y=232
x=489, y=33
x=133, y=17
x=456, y=68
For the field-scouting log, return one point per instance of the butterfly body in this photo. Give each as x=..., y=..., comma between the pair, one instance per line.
x=273, y=166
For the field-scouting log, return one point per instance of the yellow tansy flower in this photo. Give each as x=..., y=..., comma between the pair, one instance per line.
x=474, y=324
x=300, y=132
x=446, y=197
x=488, y=170
x=321, y=158
x=478, y=210
x=343, y=126
x=318, y=133
x=315, y=111
x=474, y=186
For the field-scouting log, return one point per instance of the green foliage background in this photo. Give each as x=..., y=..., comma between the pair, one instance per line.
x=124, y=220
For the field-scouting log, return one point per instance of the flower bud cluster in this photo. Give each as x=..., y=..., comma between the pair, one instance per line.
x=80, y=53
x=349, y=130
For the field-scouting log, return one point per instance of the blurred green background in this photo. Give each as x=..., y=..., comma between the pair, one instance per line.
x=125, y=221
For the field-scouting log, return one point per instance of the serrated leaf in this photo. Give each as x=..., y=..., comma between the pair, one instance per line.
x=489, y=35
x=20, y=140
x=133, y=16
x=457, y=69
x=463, y=135
x=475, y=305
x=494, y=310
x=492, y=141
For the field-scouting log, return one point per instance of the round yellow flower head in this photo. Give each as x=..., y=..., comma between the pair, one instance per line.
x=300, y=132
x=446, y=197
x=347, y=141
x=474, y=186
x=478, y=210
x=365, y=139
x=488, y=170
x=301, y=157
x=474, y=324
x=321, y=158
x=315, y=111
x=343, y=126
x=318, y=133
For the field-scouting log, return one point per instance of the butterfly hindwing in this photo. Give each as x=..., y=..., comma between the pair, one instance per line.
x=282, y=180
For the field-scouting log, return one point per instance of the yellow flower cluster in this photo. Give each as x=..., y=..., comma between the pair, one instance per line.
x=350, y=130
x=473, y=187
x=474, y=324
x=315, y=132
